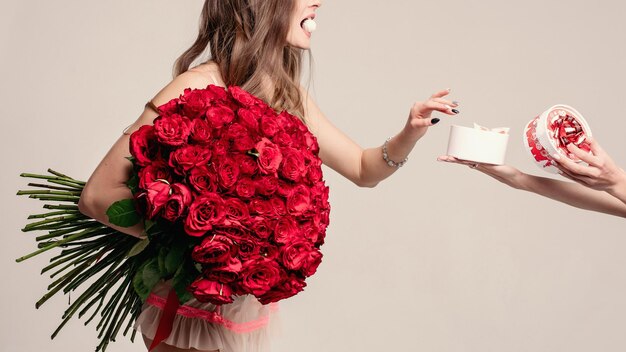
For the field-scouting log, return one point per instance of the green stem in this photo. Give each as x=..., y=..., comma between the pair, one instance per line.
x=60, y=261
x=54, y=245
x=60, y=206
x=43, y=191
x=58, y=219
x=43, y=185
x=83, y=225
x=53, y=178
x=52, y=213
x=73, y=199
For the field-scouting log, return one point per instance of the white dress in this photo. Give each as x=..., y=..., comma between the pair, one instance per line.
x=242, y=326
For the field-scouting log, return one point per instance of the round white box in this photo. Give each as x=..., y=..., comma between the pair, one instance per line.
x=477, y=145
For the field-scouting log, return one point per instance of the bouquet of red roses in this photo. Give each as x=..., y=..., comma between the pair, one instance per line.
x=232, y=196
x=237, y=188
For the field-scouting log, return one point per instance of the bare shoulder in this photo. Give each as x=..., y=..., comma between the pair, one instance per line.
x=195, y=78
x=312, y=113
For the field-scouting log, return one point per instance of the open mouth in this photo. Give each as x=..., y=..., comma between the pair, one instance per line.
x=308, y=24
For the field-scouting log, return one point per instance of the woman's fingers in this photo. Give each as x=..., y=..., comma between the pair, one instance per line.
x=596, y=149
x=440, y=94
x=567, y=165
x=583, y=155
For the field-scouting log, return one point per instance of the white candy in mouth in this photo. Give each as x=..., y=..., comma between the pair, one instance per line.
x=309, y=25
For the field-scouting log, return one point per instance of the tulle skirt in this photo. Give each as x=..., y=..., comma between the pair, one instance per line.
x=242, y=326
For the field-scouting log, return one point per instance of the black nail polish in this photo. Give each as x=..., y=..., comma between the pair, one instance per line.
x=455, y=111
x=435, y=121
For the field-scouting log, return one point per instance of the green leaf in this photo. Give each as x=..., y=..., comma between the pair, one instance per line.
x=175, y=257
x=161, y=262
x=133, y=183
x=140, y=287
x=182, y=279
x=151, y=274
x=122, y=213
x=138, y=248
x=130, y=158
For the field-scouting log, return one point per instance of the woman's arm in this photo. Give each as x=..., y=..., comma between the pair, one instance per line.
x=570, y=193
x=366, y=167
x=107, y=183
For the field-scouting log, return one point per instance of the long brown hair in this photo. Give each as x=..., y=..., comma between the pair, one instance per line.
x=248, y=41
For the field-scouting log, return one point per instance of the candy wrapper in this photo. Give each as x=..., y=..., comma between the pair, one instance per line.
x=479, y=144
x=551, y=132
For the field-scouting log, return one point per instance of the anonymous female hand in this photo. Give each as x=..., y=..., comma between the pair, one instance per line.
x=503, y=173
x=601, y=173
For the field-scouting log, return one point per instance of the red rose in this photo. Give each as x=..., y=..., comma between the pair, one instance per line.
x=186, y=158
x=311, y=143
x=247, y=164
x=236, y=211
x=240, y=137
x=319, y=194
x=218, y=116
x=194, y=102
x=261, y=207
x=217, y=93
x=200, y=131
x=227, y=172
x=300, y=255
x=260, y=275
x=249, y=119
x=155, y=171
x=210, y=291
x=205, y=212
x=293, y=167
x=169, y=108
x=157, y=194
x=245, y=188
x=267, y=185
x=269, y=126
x=202, y=179
x=261, y=227
x=283, y=139
x=213, y=249
x=287, y=288
x=244, y=98
x=312, y=233
x=286, y=230
x=178, y=202
x=247, y=248
x=143, y=145
x=284, y=189
x=234, y=232
x=221, y=148
x=278, y=206
x=226, y=273
x=299, y=201
x=314, y=170
x=172, y=130
x=270, y=156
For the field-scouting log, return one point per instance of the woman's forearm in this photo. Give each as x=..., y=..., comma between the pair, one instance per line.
x=373, y=166
x=574, y=194
x=94, y=203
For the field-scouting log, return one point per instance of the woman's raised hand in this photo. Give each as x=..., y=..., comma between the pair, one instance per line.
x=420, y=116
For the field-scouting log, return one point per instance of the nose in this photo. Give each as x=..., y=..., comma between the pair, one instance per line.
x=315, y=4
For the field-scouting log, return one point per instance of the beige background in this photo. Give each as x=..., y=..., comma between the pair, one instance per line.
x=438, y=258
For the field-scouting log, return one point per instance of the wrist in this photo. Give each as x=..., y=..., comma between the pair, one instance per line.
x=618, y=190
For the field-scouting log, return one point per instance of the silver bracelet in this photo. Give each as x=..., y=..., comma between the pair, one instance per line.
x=389, y=161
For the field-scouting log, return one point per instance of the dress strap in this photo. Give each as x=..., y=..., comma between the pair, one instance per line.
x=150, y=105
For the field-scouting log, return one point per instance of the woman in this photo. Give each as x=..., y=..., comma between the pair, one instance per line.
x=600, y=185
x=258, y=45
